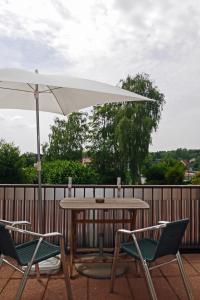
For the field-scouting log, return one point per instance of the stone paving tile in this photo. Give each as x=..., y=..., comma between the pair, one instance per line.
x=34, y=289
x=6, y=271
x=3, y=283
x=138, y=288
x=196, y=266
x=194, y=261
x=10, y=290
x=162, y=288
x=132, y=272
x=177, y=284
x=80, y=288
x=100, y=289
x=55, y=290
x=192, y=257
x=173, y=269
x=16, y=275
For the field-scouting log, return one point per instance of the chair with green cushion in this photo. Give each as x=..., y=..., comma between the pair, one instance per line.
x=30, y=253
x=147, y=251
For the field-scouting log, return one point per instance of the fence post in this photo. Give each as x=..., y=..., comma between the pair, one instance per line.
x=118, y=187
x=69, y=187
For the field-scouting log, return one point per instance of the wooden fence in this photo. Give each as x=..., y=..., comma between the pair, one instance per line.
x=19, y=202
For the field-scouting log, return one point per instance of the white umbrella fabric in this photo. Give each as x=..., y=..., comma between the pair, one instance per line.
x=20, y=89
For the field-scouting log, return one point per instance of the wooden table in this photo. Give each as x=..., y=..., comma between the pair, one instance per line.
x=77, y=205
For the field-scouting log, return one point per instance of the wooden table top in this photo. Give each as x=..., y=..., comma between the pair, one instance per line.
x=107, y=203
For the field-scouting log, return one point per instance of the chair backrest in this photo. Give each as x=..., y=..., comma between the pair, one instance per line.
x=7, y=246
x=171, y=238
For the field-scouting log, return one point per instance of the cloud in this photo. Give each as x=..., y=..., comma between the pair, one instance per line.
x=63, y=11
x=30, y=54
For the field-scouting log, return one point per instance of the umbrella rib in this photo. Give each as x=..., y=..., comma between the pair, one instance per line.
x=50, y=90
x=32, y=89
x=18, y=90
x=30, y=86
x=56, y=99
x=40, y=92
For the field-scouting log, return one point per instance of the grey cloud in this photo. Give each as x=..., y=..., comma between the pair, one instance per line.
x=62, y=9
x=127, y=5
x=100, y=7
x=13, y=26
x=159, y=30
x=31, y=54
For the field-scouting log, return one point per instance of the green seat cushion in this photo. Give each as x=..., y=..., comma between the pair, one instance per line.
x=147, y=248
x=46, y=250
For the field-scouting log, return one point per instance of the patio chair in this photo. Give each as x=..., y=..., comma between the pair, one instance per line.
x=31, y=252
x=147, y=251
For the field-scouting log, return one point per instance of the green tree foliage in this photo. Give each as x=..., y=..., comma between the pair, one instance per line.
x=67, y=138
x=29, y=159
x=10, y=164
x=120, y=134
x=137, y=121
x=58, y=172
x=103, y=147
x=190, y=155
x=167, y=171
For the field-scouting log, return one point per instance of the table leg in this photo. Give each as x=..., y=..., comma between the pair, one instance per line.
x=133, y=214
x=133, y=219
x=72, y=241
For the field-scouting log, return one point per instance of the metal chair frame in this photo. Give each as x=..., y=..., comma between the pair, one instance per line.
x=146, y=269
x=13, y=227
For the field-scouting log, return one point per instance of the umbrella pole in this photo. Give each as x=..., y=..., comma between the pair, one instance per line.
x=40, y=206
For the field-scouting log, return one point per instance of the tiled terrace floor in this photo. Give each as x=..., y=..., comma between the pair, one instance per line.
x=167, y=282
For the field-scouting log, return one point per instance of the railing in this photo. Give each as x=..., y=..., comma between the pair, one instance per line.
x=19, y=202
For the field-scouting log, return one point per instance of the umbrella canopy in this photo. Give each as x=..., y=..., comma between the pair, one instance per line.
x=58, y=93
x=20, y=89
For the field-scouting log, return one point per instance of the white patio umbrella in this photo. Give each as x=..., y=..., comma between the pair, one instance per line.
x=20, y=89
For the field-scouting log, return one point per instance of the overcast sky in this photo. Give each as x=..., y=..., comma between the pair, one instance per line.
x=106, y=40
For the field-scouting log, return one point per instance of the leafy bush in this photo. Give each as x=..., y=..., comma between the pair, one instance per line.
x=165, y=172
x=10, y=163
x=156, y=174
x=30, y=175
x=58, y=171
x=196, y=178
x=29, y=159
x=175, y=174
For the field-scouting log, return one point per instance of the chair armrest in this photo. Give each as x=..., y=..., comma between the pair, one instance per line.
x=118, y=234
x=163, y=222
x=15, y=223
x=129, y=232
x=50, y=234
x=156, y=227
x=124, y=231
x=35, y=234
x=23, y=231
